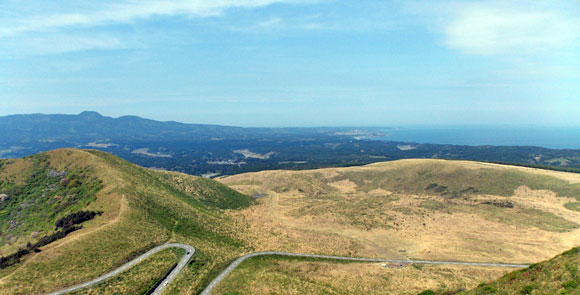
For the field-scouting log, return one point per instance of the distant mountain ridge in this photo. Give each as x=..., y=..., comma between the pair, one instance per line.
x=93, y=126
x=211, y=150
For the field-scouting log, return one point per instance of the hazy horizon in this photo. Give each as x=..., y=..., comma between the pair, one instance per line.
x=295, y=62
x=394, y=126
x=555, y=137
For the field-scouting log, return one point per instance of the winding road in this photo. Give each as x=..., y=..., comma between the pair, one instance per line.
x=190, y=251
x=238, y=261
x=207, y=291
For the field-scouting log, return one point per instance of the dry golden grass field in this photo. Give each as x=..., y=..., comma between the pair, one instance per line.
x=421, y=209
x=283, y=275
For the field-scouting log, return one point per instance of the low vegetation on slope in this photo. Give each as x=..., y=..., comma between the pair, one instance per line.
x=558, y=275
x=207, y=191
x=140, y=208
x=426, y=209
x=141, y=279
x=432, y=209
x=290, y=275
x=35, y=195
x=452, y=181
x=407, y=209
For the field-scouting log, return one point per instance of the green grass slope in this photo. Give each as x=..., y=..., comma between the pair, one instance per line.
x=558, y=275
x=37, y=196
x=141, y=208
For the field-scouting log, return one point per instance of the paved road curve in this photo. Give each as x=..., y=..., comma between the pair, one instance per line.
x=237, y=262
x=190, y=250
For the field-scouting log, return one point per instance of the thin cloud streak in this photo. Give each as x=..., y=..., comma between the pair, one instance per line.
x=127, y=12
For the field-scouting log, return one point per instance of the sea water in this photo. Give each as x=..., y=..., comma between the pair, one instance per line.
x=549, y=137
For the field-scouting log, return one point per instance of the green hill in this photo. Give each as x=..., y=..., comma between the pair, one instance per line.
x=76, y=214
x=68, y=216
x=558, y=275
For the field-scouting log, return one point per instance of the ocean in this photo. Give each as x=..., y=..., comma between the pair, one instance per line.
x=549, y=137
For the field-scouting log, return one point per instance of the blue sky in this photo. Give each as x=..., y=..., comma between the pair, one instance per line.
x=295, y=62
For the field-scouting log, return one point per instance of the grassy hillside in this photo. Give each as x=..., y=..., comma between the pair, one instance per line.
x=140, y=279
x=289, y=275
x=558, y=275
x=432, y=209
x=425, y=209
x=448, y=179
x=406, y=209
x=140, y=208
x=36, y=194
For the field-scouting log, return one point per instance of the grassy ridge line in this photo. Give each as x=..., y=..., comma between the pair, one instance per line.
x=452, y=180
x=157, y=212
x=537, y=166
x=207, y=227
x=206, y=191
x=314, y=166
x=154, y=213
x=425, y=176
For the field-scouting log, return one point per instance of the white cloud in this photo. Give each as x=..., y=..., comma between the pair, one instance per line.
x=63, y=26
x=123, y=12
x=504, y=27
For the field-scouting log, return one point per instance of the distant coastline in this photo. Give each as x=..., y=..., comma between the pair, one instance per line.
x=548, y=137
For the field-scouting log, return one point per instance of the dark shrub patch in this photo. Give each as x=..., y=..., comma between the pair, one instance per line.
x=76, y=218
x=14, y=258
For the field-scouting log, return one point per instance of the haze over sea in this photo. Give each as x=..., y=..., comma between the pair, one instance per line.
x=549, y=137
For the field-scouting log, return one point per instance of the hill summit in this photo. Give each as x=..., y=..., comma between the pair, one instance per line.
x=76, y=214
